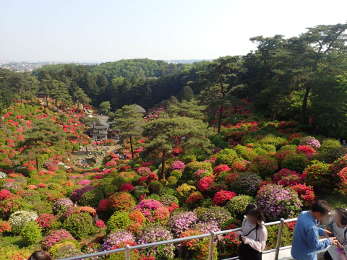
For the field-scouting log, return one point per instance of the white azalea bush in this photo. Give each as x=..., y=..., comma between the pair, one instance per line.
x=19, y=218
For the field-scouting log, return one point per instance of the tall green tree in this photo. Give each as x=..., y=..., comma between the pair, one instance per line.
x=224, y=74
x=105, y=107
x=129, y=121
x=187, y=109
x=165, y=134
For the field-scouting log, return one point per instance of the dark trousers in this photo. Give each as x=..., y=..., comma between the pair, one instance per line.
x=248, y=253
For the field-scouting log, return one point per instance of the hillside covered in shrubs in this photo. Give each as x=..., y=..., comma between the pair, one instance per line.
x=172, y=175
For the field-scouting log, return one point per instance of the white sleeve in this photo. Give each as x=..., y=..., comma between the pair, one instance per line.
x=261, y=243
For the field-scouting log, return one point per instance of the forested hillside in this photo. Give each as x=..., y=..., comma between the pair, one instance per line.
x=301, y=78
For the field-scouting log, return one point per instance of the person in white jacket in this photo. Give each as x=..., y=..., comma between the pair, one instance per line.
x=338, y=228
x=253, y=235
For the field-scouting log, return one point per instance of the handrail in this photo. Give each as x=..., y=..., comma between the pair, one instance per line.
x=128, y=249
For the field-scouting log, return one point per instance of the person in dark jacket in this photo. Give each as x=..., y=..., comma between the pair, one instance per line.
x=40, y=255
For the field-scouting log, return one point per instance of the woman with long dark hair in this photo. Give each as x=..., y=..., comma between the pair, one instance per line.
x=40, y=255
x=253, y=234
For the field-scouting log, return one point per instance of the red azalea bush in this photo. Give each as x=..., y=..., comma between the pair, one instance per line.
x=306, y=149
x=221, y=168
x=5, y=194
x=46, y=220
x=306, y=193
x=127, y=187
x=343, y=180
x=55, y=237
x=205, y=183
x=223, y=196
x=286, y=177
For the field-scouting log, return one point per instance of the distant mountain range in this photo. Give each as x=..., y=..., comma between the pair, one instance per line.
x=30, y=66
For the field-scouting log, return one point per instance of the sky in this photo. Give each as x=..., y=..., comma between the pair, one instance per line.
x=109, y=30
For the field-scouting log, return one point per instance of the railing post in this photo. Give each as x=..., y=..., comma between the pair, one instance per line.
x=211, y=246
x=279, y=238
x=127, y=252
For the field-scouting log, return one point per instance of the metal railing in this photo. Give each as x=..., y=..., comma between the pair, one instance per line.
x=127, y=250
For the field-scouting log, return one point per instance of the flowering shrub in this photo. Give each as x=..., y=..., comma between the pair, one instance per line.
x=5, y=194
x=118, y=239
x=144, y=171
x=177, y=165
x=64, y=249
x=182, y=221
x=5, y=226
x=217, y=214
x=19, y=218
x=122, y=201
x=196, y=248
x=286, y=177
x=223, y=196
x=237, y=205
x=194, y=198
x=339, y=164
x=192, y=167
x=221, y=168
x=319, y=176
x=155, y=234
x=311, y=141
x=185, y=189
x=153, y=210
x=229, y=244
x=278, y=202
x=306, y=193
x=126, y=187
x=46, y=220
x=306, y=149
x=246, y=183
x=205, y=183
x=343, y=180
x=240, y=165
x=61, y=205
x=265, y=165
x=31, y=233
x=55, y=237
x=80, y=225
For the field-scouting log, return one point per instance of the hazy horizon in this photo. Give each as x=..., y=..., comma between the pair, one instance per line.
x=88, y=31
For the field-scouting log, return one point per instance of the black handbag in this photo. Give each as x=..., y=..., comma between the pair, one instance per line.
x=246, y=252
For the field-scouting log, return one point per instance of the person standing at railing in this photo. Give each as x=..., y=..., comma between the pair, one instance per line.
x=338, y=228
x=253, y=234
x=40, y=255
x=306, y=243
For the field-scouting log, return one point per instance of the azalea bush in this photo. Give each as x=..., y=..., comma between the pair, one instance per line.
x=19, y=218
x=182, y=221
x=246, y=183
x=56, y=236
x=277, y=202
x=155, y=234
x=237, y=205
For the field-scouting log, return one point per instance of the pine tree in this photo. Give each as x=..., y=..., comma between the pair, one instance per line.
x=165, y=134
x=129, y=121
